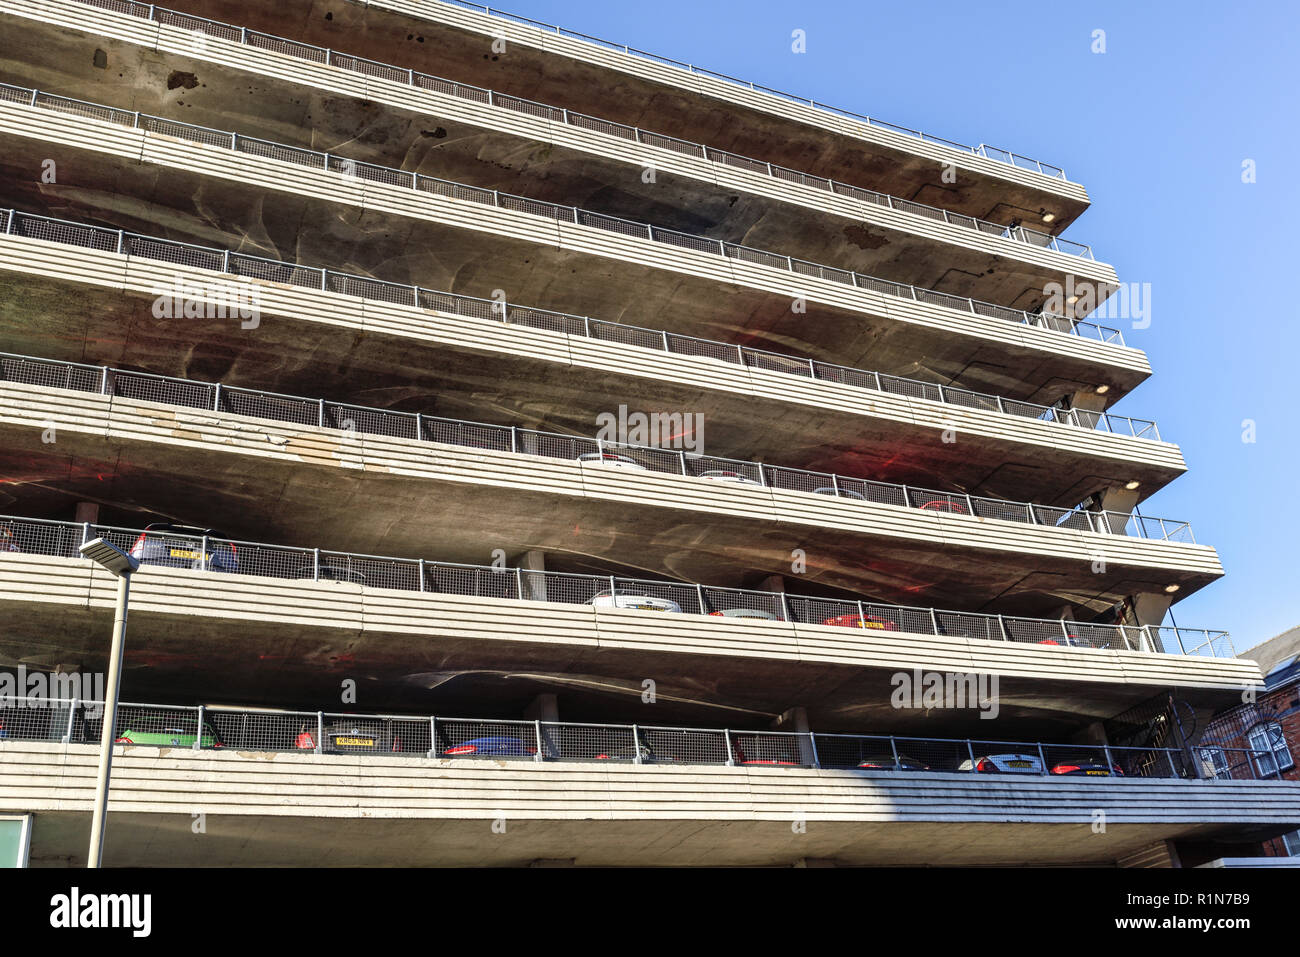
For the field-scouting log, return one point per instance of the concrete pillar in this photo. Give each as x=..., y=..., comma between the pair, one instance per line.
x=796, y=720
x=1117, y=499
x=533, y=560
x=87, y=513
x=545, y=707
x=1093, y=733
x=1088, y=399
x=1147, y=608
x=772, y=583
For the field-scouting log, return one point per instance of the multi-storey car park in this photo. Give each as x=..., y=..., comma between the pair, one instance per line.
x=461, y=255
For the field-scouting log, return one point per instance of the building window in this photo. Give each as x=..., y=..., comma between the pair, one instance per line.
x=1214, y=762
x=15, y=836
x=1269, y=749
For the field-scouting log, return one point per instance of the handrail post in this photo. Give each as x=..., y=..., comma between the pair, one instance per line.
x=970, y=750
x=421, y=574
x=726, y=737
x=67, y=732
x=636, y=745
x=1042, y=758
x=320, y=731
x=812, y=743
x=315, y=564
x=203, y=554
x=537, y=727
x=934, y=622
x=1002, y=626
x=519, y=582
x=893, y=747
x=699, y=590
x=198, y=737
x=433, y=736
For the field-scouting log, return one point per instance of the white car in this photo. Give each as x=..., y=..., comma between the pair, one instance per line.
x=1010, y=762
x=721, y=475
x=611, y=460
x=632, y=599
x=745, y=613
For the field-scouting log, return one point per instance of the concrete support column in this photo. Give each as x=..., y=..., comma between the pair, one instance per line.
x=1117, y=499
x=545, y=707
x=87, y=513
x=1088, y=399
x=533, y=560
x=772, y=583
x=796, y=720
x=1147, y=608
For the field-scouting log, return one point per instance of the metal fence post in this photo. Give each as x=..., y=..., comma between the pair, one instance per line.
x=121, y=240
x=681, y=455
x=1065, y=631
x=537, y=727
x=934, y=622
x=812, y=743
x=103, y=381
x=203, y=554
x=970, y=750
x=320, y=731
x=320, y=410
x=1110, y=759
x=893, y=747
x=433, y=737
x=636, y=745
x=315, y=564
x=514, y=438
x=1042, y=758
x=421, y=574
x=699, y=590
x=72, y=713
x=85, y=532
x=198, y=737
x=519, y=582
x=726, y=737
x=1173, y=768
x=216, y=398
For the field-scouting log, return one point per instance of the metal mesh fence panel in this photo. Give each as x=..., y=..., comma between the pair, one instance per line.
x=51, y=375
x=690, y=346
x=671, y=143
x=469, y=434
x=469, y=580
x=468, y=739
x=264, y=731
x=366, y=288
x=360, y=570
x=756, y=256
x=451, y=88
x=180, y=253
x=93, y=111
x=775, y=749
x=271, y=270
x=265, y=406
x=591, y=742
x=302, y=51
x=151, y=388
x=773, y=362
x=185, y=131
x=535, y=207
x=545, y=319
x=628, y=335
x=279, y=151
x=470, y=194
x=686, y=241
x=613, y=224
x=684, y=746
x=68, y=234
x=602, y=126
x=355, y=418
x=1005, y=511
x=382, y=71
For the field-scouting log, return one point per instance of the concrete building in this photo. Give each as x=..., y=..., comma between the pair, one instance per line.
x=609, y=443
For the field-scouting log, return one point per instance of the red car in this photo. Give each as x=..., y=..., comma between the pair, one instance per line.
x=860, y=621
x=943, y=505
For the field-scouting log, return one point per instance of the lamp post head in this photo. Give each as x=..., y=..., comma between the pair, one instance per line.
x=109, y=556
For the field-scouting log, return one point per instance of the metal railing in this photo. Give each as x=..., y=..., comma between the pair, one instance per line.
x=414, y=78
x=71, y=233
x=188, y=393
x=446, y=189
x=233, y=557
x=72, y=721
x=989, y=152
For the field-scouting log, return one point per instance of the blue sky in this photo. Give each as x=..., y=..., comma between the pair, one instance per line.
x=1157, y=129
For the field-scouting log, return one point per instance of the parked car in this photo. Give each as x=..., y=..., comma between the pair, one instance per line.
x=180, y=546
x=356, y=737
x=1009, y=762
x=163, y=731
x=721, y=475
x=612, y=460
x=884, y=761
x=862, y=621
x=489, y=747
x=744, y=613
x=623, y=598
x=1087, y=763
x=943, y=505
x=842, y=493
x=777, y=752
x=7, y=543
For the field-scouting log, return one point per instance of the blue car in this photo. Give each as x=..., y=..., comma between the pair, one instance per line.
x=491, y=747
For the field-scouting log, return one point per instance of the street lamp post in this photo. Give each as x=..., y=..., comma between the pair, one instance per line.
x=121, y=565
